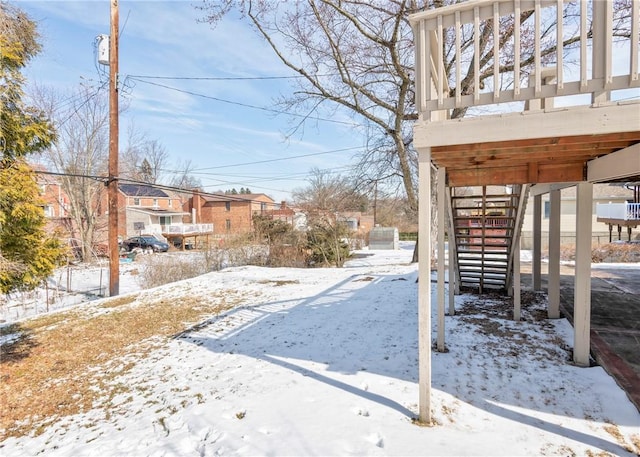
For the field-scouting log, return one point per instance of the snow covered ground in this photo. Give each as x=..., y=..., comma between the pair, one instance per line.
x=324, y=362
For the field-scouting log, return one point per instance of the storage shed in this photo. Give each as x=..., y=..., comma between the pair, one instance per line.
x=384, y=238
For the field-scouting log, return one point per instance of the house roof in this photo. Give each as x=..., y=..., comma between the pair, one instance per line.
x=141, y=190
x=234, y=197
x=157, y=212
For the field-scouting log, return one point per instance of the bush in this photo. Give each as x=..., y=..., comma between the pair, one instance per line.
x=164, y=269
x=327, y=243
x=616, y=253
x=611, y=252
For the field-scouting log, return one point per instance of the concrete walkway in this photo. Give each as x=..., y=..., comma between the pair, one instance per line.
x=615, y=319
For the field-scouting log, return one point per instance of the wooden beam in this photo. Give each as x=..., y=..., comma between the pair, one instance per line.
x=566, y=122
x=619, y=164
x=547, y=173
x=532, y=170
x=631, y=136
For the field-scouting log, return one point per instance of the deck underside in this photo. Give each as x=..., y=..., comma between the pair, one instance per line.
x=534, y=147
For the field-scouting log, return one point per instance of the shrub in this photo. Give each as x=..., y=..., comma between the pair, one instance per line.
x=327, y=243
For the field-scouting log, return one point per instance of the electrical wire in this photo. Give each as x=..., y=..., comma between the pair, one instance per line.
x=245, y=105
x=273, y=160
x=218, y=78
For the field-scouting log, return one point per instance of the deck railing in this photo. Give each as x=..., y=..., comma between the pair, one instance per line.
x=450, y=40
x=618, y=211
x=187, y=229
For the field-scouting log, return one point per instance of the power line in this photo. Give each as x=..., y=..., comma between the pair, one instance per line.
x=218, y=78
x=272, y=160
x=105, y=180
x=245, y=105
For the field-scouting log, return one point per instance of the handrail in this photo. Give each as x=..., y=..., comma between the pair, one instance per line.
x=440, y=88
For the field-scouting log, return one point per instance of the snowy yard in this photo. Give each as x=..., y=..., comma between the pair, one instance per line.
x=324, y=362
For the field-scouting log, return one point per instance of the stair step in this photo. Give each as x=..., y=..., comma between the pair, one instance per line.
x=491, y=276
x=488, y=198
x=460, y=235
x=478, y=256
x=489, y=268
x=468, y=266
x=476, y=281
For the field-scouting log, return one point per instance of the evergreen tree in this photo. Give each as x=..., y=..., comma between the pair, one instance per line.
x=27, y=253
x=25, y=129
x=23, y=239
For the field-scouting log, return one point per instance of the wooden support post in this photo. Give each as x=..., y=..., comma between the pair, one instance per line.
x=553, y=287
x=452, y=276
x=424, y=287
x=582, y=292
x=537, y=242
x=441, y=229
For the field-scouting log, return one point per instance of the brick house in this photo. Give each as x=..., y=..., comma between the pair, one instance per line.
x=229, y=214
x=56, y=204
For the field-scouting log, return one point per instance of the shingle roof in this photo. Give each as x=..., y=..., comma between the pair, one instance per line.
x=141, y=190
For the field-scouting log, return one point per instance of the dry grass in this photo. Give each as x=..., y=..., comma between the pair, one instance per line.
x=62, y=363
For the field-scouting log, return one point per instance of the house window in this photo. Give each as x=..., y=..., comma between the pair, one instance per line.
x=155, y=202
x=170, y=203
x=165, y=220
x=228, y=225
x=263, y=206
x=227, y=206
x=547, y=209
x=136, y=201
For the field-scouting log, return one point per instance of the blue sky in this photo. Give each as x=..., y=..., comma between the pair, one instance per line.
x=165, y=39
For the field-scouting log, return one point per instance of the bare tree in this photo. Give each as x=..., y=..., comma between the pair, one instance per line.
x=80, y=157
x=184, y=178
x=328, y=192
x=358, y=56
x=142, y=159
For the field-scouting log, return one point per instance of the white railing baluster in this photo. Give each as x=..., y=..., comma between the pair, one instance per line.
x=476, y=55
x=559, y=47
x=516, y=49
x=440, y=66
x=583, y=46
x=496, y=52
x=458, y=59
x=423, y=73
x=537, y=64
x=635, y=40
x=608, y=46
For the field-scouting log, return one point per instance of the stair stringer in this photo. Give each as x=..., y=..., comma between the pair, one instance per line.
x=519, y=220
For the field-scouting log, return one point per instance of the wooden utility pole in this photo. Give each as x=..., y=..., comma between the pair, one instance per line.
x=114, y=251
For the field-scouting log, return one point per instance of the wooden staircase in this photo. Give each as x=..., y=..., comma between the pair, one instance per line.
x=484, y=221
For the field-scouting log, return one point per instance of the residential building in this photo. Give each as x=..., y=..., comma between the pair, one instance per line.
x=229, y=214
x=603, y=194
x=148, y=209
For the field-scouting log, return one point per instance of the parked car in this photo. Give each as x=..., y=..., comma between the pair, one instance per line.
x=145, y=242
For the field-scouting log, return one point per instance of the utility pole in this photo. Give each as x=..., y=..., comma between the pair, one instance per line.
x=112, y=190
